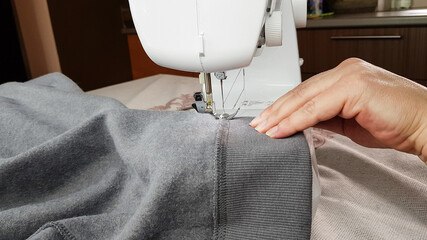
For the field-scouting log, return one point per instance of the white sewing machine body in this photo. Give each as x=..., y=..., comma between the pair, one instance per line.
x=228, y=36
x=270, y=75
x=224, y=36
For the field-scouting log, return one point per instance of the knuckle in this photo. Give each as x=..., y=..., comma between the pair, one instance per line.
x=285, y=123
x=352, y=66
x=275, y=108
x=267, y=112
x=355, y=74
x=299, y=91
x=309, y=108
x=352, y=61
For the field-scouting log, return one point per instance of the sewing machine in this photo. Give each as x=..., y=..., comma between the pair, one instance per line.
x=245, y=50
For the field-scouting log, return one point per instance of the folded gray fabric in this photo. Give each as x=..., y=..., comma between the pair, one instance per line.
x=76, y=166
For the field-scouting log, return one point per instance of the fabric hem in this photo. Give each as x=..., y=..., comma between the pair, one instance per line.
x=263, y=186
x=62, y=230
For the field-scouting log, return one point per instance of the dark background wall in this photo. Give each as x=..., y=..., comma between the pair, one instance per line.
x=12, y=66
x=92, y=50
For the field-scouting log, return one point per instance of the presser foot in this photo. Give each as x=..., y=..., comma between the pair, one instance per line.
x=226, y=115
x=202, y=107
x=200, y=104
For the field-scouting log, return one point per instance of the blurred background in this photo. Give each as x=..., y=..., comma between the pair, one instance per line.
x=95, y=43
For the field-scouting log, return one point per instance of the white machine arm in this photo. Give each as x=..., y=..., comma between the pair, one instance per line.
x=224, y=36
x=203, y=35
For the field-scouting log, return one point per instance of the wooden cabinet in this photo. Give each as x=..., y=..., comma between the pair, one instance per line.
x=402, y=50
x=141, y=64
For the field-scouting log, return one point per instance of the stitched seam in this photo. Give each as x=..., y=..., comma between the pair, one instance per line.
x=61, y=229
x=220, y=200
x=215, y=186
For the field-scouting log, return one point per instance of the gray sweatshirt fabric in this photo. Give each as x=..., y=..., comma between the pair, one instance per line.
x=77, y=166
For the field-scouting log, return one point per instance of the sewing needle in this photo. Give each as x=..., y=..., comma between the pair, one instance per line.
x=222, y=96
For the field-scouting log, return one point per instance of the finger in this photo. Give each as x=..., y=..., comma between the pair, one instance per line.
x=321, y=108
x=265, y=113
x=298, y=91
x=293, y=100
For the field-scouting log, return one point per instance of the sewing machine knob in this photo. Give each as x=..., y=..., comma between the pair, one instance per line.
x=273, y=30
x=220, y=75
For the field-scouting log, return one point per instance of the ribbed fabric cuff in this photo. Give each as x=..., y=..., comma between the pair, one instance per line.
x=263, y=185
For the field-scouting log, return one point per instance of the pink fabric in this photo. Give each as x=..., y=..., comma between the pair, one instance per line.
x=368, y=193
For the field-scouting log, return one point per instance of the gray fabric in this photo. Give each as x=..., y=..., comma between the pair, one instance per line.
x=75, y=166
x=260, y=185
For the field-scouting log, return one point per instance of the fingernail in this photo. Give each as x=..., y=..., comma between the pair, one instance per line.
x=261, y=126
x=272, y=132
x=255, y=121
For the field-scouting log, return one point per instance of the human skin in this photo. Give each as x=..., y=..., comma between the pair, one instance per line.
x=370, y=105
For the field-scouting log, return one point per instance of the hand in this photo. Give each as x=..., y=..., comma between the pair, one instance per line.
x=371, y=106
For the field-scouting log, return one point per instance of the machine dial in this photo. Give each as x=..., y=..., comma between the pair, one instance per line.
x=273, y=30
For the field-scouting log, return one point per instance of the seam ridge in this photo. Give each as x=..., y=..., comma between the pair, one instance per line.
x=60, y=228
x=220, y=201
